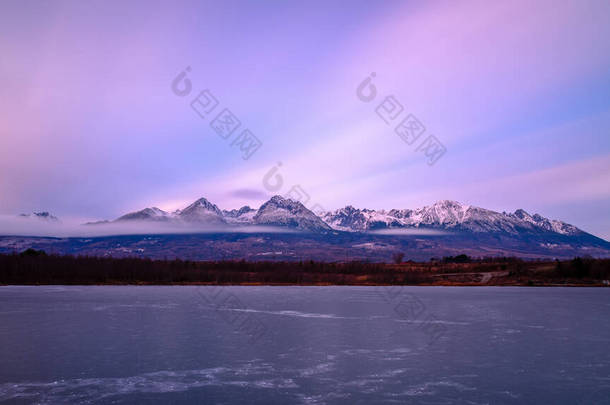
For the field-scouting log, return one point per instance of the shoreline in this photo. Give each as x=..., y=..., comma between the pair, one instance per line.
x=38, y=268
x=143, y=284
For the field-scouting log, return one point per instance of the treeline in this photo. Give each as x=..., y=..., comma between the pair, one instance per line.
x=584, y=268
x=36, y=267
x=468, y=259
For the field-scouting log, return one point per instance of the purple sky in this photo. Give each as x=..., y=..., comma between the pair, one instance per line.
x=518, y=92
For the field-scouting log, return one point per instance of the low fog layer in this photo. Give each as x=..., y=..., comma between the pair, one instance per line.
x=410, y=231
x=32, y=226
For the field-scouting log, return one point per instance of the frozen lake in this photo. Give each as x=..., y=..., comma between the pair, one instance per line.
x=309, y=345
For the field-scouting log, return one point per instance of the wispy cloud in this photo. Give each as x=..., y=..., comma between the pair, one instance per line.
x=91, y=128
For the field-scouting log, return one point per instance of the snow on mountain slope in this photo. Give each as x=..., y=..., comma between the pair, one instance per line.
x=444, y=215
x=147, y=214
x=244, y=215
x=544, y=223
x=279, y=211
x=202, y=211
x=448, y=215
x=199, y=212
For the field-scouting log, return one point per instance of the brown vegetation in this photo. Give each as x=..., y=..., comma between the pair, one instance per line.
x=36, y=267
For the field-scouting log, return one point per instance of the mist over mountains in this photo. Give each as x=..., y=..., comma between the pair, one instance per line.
x=446, y=215
x=285, y=229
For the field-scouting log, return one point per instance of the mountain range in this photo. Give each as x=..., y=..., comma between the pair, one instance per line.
x=284, y=229
x=446, y=215
x=278, y=212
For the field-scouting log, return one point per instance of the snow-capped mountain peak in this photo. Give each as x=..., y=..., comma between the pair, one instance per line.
x=146, y=214
x=202, y=204
x=551, y=225
x=244, y=215
x=201, y=211
x=280, y=211
x=236, y=213
x=445, y=215
x=445, y=212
